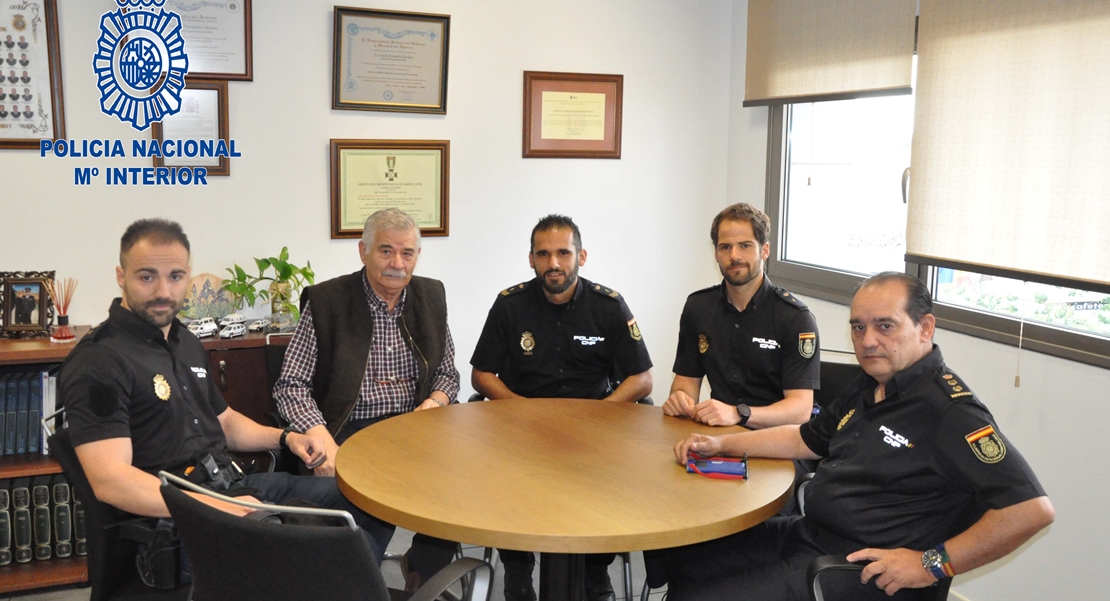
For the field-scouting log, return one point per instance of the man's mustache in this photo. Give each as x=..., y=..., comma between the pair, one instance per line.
x=394, y=273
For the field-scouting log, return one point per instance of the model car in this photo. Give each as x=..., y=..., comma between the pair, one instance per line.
x=233, y=318
x=203, y=327
x=259, y=325
x=233, y=330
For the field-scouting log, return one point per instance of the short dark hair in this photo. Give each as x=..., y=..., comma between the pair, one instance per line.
x=919, y=301
x=158, y=231
x=552, y=222
x=742, y=211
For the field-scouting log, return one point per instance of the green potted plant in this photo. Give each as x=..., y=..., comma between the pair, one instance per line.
x=284, y=279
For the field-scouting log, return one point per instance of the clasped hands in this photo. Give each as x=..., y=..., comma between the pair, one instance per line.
x=711, y=412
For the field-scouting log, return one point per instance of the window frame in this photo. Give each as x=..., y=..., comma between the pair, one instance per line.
x=838, y=286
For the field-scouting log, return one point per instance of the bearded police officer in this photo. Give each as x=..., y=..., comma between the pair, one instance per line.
x=560, y=335
x=917, y=480
x=757, y=343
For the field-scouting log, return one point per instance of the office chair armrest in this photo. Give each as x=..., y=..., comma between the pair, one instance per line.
x=167, y=477
x=457, y=570
x=827, y=563
x=477, y=396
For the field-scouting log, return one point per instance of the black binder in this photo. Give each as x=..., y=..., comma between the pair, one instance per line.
x=24, y=395
x=4, y=412
x=80, y=547
x=13, y=395
x=5, y=523
x=63, y=529
x=41, y=518
x=21, y=520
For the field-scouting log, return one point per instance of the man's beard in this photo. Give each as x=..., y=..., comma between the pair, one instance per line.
x=568, y=280
x=146, y=313
x=754, y=272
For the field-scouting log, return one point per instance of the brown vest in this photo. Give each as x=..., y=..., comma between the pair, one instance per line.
x=345, y=328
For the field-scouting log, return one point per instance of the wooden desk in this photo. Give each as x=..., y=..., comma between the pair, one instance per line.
x=553, y=475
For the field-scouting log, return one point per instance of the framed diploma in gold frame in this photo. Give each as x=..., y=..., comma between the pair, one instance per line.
x=572, y=115
x=203, y=116
x=218, y=38
x=368, y=175
x=31, y=107
x=390, y=61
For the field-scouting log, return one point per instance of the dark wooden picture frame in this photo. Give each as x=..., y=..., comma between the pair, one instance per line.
x=337, y=148
x=538, y=82
x=220, y=87
x=57, y=118
x=12, y=289
x=389, y=101
x=248, y=50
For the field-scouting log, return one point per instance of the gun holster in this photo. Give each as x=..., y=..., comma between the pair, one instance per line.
x=160, y=560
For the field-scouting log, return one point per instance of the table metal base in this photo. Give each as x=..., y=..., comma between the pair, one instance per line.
x=562, y=577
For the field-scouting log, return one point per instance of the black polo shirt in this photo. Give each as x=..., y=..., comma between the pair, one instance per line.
x=126, y=380
x=914, y=469
x=749, y=356
x=540, y=349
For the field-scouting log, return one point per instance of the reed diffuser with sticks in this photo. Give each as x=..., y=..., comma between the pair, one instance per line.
x=62, y=293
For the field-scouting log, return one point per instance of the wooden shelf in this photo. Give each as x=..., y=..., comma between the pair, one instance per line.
x=37, y=350
x=24, y=466
x=41, y=574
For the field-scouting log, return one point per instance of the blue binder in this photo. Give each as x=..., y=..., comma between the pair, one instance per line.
x=24, y=398
x=34, y=414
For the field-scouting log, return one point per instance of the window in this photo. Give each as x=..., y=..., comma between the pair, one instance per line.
x=835, y=198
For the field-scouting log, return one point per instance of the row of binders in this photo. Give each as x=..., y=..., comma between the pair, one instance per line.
x=40, y=519
x=25, y=398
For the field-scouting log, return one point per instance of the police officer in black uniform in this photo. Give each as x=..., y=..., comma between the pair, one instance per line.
x=560, y=335
x=757, y=343
x=139, y=399
x=916, y=480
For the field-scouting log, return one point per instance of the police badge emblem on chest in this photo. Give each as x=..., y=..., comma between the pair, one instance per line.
x=161, y=387
x=527, y=342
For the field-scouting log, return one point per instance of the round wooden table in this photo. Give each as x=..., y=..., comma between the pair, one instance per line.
x=560, y=476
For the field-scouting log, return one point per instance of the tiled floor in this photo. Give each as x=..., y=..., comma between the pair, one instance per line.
x=392, y=571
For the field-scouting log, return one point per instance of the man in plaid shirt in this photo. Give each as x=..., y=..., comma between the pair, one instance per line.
x=371, y=345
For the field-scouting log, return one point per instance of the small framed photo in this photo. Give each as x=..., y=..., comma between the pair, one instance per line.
x=28, y=309
x=203, y=117
x=218, y=38
x=390, y=61
x=368, y=175
x=572, y=115
x=31, y=107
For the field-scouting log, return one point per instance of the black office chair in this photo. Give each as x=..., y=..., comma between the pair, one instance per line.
x=827, y=566
x=244, y=559
x=111, y=558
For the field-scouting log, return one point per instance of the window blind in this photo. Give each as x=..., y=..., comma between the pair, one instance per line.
x=809, y=50
x=1011, y=146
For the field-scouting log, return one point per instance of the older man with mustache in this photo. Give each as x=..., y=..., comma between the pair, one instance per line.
x=371, y=345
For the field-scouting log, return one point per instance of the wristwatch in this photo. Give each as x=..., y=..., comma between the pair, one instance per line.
x=284, y=434
x=745, y=413
x=936, y=562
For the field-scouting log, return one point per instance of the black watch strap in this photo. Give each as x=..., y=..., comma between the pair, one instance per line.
x=745, y=413
x=284, y=434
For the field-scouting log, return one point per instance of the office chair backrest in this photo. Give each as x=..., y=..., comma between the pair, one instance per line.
x=836, y=377
x=240, y=559
x=274, y=351
x=111, y=559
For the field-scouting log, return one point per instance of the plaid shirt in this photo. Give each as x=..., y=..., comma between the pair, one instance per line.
x=389, y=385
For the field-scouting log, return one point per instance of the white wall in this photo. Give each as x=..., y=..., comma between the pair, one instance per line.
x=644, y=218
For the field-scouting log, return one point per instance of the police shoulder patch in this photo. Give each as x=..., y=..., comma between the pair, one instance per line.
x=514, y=289
x=987, y=445
x=953, y=386
x=604, y=291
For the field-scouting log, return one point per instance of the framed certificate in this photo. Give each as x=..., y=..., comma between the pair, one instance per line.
x=390, y=61
x=203, y=116
x=30, y=74
x=368, y=175
x=572, y=115
x=217, y=37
